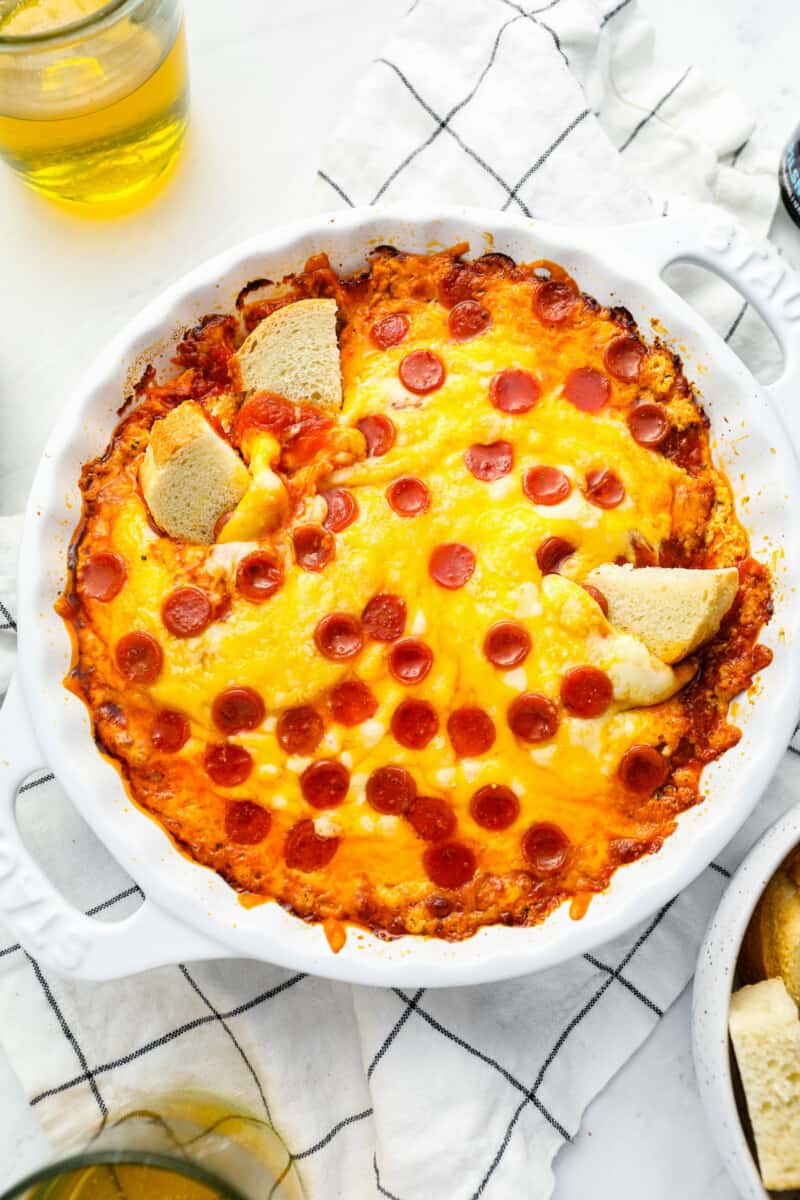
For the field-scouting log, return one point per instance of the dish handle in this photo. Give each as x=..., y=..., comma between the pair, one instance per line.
x=49, y=928
x=709, y=238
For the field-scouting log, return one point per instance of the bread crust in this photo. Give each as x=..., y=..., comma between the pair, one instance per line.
x=183, y=425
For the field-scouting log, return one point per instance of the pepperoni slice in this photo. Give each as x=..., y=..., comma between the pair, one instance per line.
x=408, y=497
x=299, y=730
x=186, y=612
x=103, y=576
x=552, y=554
x=597, y=596
x=468, y=319
x=228, y=764
x=258, y=576
x=170, y=731
x=604, y=488
x=246, y=823
x=305, y=850
x=414, y=724
x=390, y=330
x=313, y=547
x=587, y=389
x=432, y=819
x=514, y=391
x=139, y=657
x=624, y=357
x=237, y=709
x=324, y=783
x=489, y=462
x=494, y=806
x=390, y=790
x=450, y=865
x=643, y=770
x=507, y=644
x=352, y=702
x=532, y=717
x=458, y=284
x=379, y=433
x=421, y=372
x=649, y=425
x=266, y=410
x=546, y=848
x=410, y=661
x=342, y=509
x=384, y=617
x=586, y=691
x=471, y=731
x=338, y=636
x=546, y=485
x=554, y=301
x=451, y=565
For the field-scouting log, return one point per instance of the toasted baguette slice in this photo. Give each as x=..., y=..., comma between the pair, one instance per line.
x=765, y=1032
x=190, y=476
x=294, y=352
x=772, y=943
x=672, y=610
x=638, y=677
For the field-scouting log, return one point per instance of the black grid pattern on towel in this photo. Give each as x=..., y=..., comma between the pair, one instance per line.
x=443, y=121
x=523, y=1093
x=8, y=621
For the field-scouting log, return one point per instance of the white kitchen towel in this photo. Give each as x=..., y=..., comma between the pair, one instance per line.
x=557, y=110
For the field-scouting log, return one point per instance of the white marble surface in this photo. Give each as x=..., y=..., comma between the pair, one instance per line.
x=265, y=97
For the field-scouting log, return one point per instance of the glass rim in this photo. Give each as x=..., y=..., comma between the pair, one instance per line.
x=132, y=1158
x=98, y=19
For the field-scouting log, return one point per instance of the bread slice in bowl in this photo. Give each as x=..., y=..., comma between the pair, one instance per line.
x=771, y=945
x=190, y=475
x=672, y=610
x=293, y=352
x=765, y=1031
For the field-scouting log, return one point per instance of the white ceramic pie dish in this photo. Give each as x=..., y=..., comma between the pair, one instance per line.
x=190, y=912
x=713, y=984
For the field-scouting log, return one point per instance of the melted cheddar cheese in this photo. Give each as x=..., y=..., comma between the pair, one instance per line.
x=439, y=452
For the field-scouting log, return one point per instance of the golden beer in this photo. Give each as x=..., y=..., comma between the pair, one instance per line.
x=93, y=97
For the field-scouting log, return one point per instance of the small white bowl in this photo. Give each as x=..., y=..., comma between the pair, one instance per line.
x=713, y=983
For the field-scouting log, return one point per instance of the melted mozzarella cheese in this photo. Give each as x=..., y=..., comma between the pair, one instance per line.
x=266, y=502
x=270, y=647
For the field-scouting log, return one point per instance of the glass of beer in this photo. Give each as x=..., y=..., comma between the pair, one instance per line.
x=184, y=1146
x=93, y=95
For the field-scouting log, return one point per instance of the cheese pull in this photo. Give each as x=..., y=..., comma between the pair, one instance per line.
x=265, y=504
x=671, y=610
